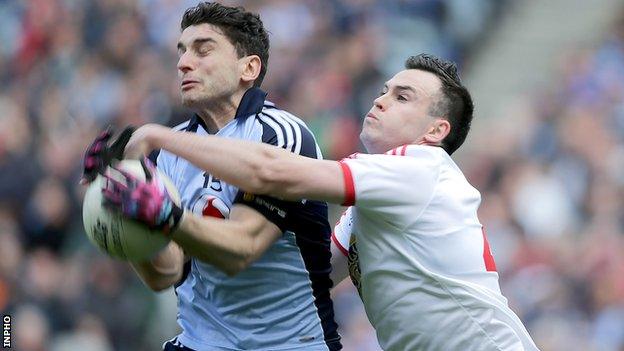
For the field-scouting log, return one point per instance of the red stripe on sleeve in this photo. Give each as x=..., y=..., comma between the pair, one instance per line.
x=403, y=150
x=490, y=265
x=339, y=246
x=349, y=185
x=394, y=151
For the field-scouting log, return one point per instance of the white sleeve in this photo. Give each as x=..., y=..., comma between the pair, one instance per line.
x=385, y=183
x=342, y=232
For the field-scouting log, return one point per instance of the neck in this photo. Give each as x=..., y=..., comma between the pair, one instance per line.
x=219, y=112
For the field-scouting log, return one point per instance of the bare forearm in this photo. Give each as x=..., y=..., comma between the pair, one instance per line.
x=230, y=245
x=247, y=165
x=164, y=270
x=214, y=241
x=251, y=166
x=255, y=167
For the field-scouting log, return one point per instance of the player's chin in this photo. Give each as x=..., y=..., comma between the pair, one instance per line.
x=191, y=100
x=373, y=138
x=366, y=138
x=369, y=130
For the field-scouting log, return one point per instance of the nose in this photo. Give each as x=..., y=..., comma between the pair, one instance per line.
x=185, y=62
x=380, y=103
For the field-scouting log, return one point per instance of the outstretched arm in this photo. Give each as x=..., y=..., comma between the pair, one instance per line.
x=253, y=167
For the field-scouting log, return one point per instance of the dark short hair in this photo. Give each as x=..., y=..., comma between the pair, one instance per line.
x=454, y=104
x=243, y=29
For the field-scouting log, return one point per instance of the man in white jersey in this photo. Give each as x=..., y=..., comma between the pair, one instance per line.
x=418, y=253
x=260, y=279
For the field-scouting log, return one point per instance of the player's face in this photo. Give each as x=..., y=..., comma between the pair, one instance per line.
x=400, y=115
x=208, y=66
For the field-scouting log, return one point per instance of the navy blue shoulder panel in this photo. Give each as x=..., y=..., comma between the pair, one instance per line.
x=269, y=136
x=308, y=144
x=290, y=130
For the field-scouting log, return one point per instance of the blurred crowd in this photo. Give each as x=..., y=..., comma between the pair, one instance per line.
x=550, y=171
x=552, y=178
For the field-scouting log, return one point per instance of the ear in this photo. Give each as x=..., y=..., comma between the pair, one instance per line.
x=438, y=130
x=250, y=68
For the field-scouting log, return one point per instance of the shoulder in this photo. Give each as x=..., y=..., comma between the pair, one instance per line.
x=419, y=152
x=283, y=129
x=402, y=154
x=421, y=156
x=408, y=162
x=400, y=177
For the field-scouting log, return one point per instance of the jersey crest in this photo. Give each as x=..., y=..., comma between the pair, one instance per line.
x=353, y=261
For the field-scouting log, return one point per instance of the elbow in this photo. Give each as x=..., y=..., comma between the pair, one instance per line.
x=239, y=265
x=163, y=282
x=268, y=178
x=231, y=263
x=158, y=285
x=232, y=271
x=261, y=182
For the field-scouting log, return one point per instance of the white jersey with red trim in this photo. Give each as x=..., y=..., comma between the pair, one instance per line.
x=419, y=256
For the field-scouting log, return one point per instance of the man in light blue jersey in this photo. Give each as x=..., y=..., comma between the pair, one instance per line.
x=249, y=275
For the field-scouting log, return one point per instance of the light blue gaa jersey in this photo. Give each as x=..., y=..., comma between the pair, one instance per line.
x=280, y=302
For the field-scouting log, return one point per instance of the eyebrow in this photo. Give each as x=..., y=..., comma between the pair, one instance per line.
x=196, y=42
x=405, y=87
x=402, y=87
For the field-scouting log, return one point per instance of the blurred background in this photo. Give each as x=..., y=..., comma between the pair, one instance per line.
x=546, y=150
